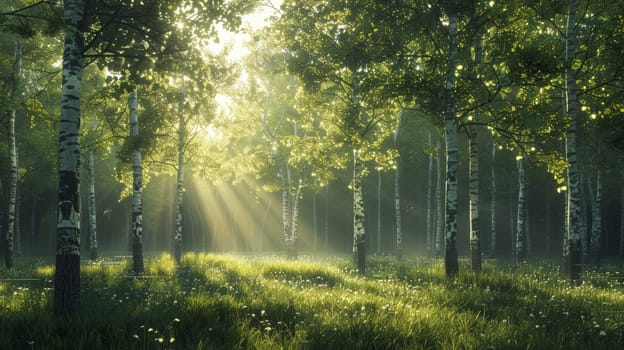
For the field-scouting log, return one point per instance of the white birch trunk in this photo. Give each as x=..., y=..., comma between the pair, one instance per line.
x=573, y=199
x=621, y=207
x=450, y=254
x=520, y=222
x=583, y=220
x=596, y=232
x=177, y=239
x=137, y=190
x=67, y=272
x=493, y=203
x=378, y=211
x=314, y=220
x=430, y=233
x=475, y=239
x=294, y=237
x=439, y=222
x=527, y=218
x=397, y=193
x=359, y=252
x=12, y=223
x=93, y=246
x=326, y=219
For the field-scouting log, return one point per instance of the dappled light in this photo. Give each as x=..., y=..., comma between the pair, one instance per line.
x=292, y=174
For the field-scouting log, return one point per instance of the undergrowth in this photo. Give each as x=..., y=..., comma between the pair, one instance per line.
x=245, y=302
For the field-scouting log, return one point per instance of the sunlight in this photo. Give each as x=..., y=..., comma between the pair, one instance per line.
x=235, y=222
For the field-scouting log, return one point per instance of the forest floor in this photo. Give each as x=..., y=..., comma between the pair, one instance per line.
x=267, y=302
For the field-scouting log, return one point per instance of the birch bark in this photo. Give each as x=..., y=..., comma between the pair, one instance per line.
x=475, y=239
x=450, y=255
x=177, y=240
x=397, y=193
x=137, y=190
x=12, y=223
x=573, y=217
x=93, y=246
x=67, y=271
x=493, y=203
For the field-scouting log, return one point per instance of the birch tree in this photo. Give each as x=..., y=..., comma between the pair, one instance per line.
x=520, y=218
x=137, y=189
x=475, y=239
x=596, y=211
x=493, y=202
x=572, y=176
x=397, y=193
x=93, y=244
x=67, y=275
x=451, y=262
x=177, y=251
x=429, y=218
x=13, y=174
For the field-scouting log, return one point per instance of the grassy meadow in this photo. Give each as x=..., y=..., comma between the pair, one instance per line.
x=267, y=302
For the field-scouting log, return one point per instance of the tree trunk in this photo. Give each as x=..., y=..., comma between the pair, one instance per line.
x=326, y=219
x=493, y=204
x=451, y=263
x=378, y=211
x=573, y=223
x=294, y=236
x=583, y=219
x=359, y=247
x=430, y=233
x=314, y=220
x=475, y=239
x=397, y=193
x=177, y=240
x=596, y=232
x=439, y=224
x=527, y=218
x=12, y=223
x=67, y=272
x=621, y=207
x=137, y=190
x=520, y=222
x=93, y=246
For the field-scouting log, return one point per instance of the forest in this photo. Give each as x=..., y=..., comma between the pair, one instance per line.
x=312, y=174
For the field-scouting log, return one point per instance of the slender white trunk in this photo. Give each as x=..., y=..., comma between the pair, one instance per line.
x=314, y=220
x=326, y=219
x=430, y=233
x=475, y=239
x=378, y=211
x=493, y=203
x=573, y=199
x=294, y=237
x=527, y=219
x=439, y=224
x=12, y=223
x=596, y=232
x=93, y=246
x=621, y=207
x=397, y=193
x=583, y=219
x=520, y=222
x=137, y=189
x=450, y=254
x=177, y=240
x=359, y=252
x=67, y=271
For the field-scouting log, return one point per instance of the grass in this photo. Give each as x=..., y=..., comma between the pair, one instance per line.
x=266, y=302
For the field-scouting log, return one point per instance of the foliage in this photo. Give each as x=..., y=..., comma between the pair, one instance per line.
x=259, y=302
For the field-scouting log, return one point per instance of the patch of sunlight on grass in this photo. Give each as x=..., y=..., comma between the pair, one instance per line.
x=44, y=271
x=164, y=265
